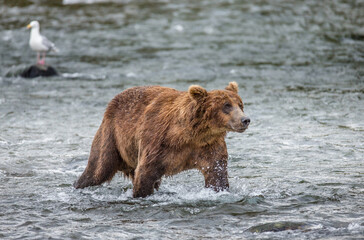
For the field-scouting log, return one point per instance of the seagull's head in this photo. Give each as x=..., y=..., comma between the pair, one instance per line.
x=33, y=24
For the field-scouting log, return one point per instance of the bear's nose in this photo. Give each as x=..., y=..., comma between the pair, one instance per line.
x=245, y=121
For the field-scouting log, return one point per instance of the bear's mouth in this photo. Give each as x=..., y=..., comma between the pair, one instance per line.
x=239, y=129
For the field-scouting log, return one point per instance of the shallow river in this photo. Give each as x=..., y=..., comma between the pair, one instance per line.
x=296, y=173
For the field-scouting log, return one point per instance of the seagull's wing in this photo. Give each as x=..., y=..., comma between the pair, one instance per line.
x=49, y=44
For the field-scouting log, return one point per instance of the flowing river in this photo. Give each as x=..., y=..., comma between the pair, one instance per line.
x=296, y=173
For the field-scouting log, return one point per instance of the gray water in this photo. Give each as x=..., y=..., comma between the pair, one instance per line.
x=296, y=173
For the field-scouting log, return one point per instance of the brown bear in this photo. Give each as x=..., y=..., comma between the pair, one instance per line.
x=150, y=132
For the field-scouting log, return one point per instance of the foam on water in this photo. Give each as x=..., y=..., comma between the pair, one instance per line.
x=70, y=2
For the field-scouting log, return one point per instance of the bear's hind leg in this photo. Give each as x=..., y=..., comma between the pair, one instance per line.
x=144, y=186
x=103, y=162
x=146, y=181
x=157, y=184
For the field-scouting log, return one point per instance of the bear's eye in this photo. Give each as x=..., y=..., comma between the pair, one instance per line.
x=227, y=108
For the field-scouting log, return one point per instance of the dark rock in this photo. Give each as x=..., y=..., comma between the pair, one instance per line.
x=277, y=227
x=39, y=70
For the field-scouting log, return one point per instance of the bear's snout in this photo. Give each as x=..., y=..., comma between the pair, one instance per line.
x=238, y=121
x=245, y=121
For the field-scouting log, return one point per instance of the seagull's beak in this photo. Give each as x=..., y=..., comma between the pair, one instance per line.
x=29, y=26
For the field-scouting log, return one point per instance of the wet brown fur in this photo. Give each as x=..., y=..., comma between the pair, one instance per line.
x=150, y=132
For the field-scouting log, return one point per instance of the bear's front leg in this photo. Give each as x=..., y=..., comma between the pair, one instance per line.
x=216, y=176
x=213, y=165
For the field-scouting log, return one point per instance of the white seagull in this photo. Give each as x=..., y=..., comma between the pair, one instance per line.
x=39, y=43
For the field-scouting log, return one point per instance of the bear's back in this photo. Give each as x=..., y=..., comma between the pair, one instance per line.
x=132, y=102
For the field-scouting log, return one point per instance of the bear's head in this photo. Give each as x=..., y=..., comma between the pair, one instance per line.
x=221, y=110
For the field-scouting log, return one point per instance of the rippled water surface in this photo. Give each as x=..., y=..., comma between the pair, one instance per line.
x=296, y=173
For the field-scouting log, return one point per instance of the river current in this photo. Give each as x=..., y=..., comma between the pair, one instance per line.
x=296, y=173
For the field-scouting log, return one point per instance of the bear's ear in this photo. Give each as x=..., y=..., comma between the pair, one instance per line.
x=197, y=93
x=233, y=86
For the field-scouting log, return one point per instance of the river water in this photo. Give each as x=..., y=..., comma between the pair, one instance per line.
x=296, y=173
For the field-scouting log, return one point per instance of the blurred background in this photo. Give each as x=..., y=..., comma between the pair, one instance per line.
x=297, y=172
